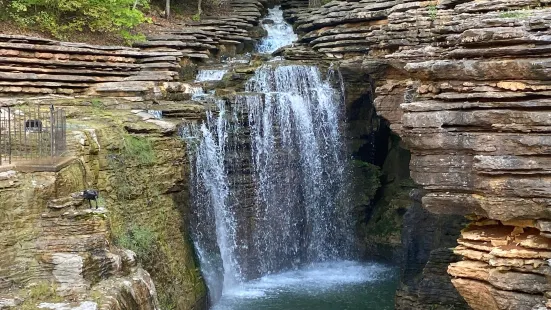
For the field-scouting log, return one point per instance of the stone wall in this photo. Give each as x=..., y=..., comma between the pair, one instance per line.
x=464, y=84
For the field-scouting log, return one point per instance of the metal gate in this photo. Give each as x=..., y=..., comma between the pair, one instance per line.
x=31, y=133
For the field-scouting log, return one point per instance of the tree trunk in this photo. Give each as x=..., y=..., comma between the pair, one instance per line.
x=314, y=3
x=167, y=9
x=199, y=10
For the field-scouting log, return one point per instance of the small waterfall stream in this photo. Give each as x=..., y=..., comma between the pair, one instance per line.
x=280, y=33
x=269, y=182
x=206, y=75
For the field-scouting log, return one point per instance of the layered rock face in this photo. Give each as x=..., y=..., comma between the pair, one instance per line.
x=36, y=66
x=464, y=83
x=77, y=252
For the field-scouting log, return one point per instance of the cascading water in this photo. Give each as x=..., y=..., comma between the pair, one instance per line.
x=270, y=183
x=280, y=33
x=299, y=165
x=214, y=234
x=210, y=75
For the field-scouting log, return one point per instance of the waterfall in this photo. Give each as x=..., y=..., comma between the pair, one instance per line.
x=299, y=166
x=269, y=172
x=280, y=33
x=214, y=231
x=269, y=178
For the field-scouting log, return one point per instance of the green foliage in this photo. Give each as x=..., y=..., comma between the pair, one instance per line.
x=324, y=2
x=166, y=302
x=141, y=240
x=515, y=14
x=96, y=297
x=367, y=181
x=196, y=17
x=101, y=203
x=433, y=11
x=97, y=104
x=41, y=292
x=62, y=17
x=138, y=148
x=134, y=149
x=130, y=38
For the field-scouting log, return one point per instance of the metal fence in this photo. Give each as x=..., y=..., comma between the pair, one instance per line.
x=31, y=133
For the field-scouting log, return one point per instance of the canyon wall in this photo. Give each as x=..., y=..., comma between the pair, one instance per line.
x=464, y=83
x=133, y=251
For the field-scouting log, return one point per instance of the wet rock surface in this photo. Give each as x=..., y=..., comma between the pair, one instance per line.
x=464, y=84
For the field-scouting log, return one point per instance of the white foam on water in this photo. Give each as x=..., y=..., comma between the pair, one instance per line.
x=318, y=278
x=206, y=75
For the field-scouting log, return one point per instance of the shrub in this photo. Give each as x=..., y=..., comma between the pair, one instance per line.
x=141, y=240
x=62, y=17
x=433, y=11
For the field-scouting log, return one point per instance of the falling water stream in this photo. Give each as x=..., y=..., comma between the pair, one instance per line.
x=270, y=219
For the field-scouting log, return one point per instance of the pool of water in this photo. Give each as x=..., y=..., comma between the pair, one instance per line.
x=337, y=285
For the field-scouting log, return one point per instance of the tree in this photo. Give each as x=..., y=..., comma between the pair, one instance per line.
x=167, y=9
x=63, y=17
x=199, y=9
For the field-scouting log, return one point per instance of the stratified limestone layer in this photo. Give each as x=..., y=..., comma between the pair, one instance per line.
x=466, y=85
x=32, y=66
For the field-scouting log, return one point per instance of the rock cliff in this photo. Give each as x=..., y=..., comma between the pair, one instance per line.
x=464, y=83
x=134, y=251
x=52, y=239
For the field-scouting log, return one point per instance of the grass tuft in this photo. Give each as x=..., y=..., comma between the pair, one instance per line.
x=139, y=149
x=515, y=14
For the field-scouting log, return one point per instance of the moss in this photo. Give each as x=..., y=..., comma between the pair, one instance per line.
x=70, y=180
x=366, y=181
x=91, y=215
x=187, y=70
x=97, y=297
x=138, y=148
x=519, y=14
x=138, y=176
x=136, y=179
x=389, y=210
x=138, y=239
x=97, y=104
x=433, y=11
x=40, y=292
x=382, y=221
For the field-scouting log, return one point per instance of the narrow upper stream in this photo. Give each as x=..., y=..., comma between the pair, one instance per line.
x=271, y=219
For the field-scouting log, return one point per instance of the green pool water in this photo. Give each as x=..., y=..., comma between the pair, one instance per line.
x=327, y=286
